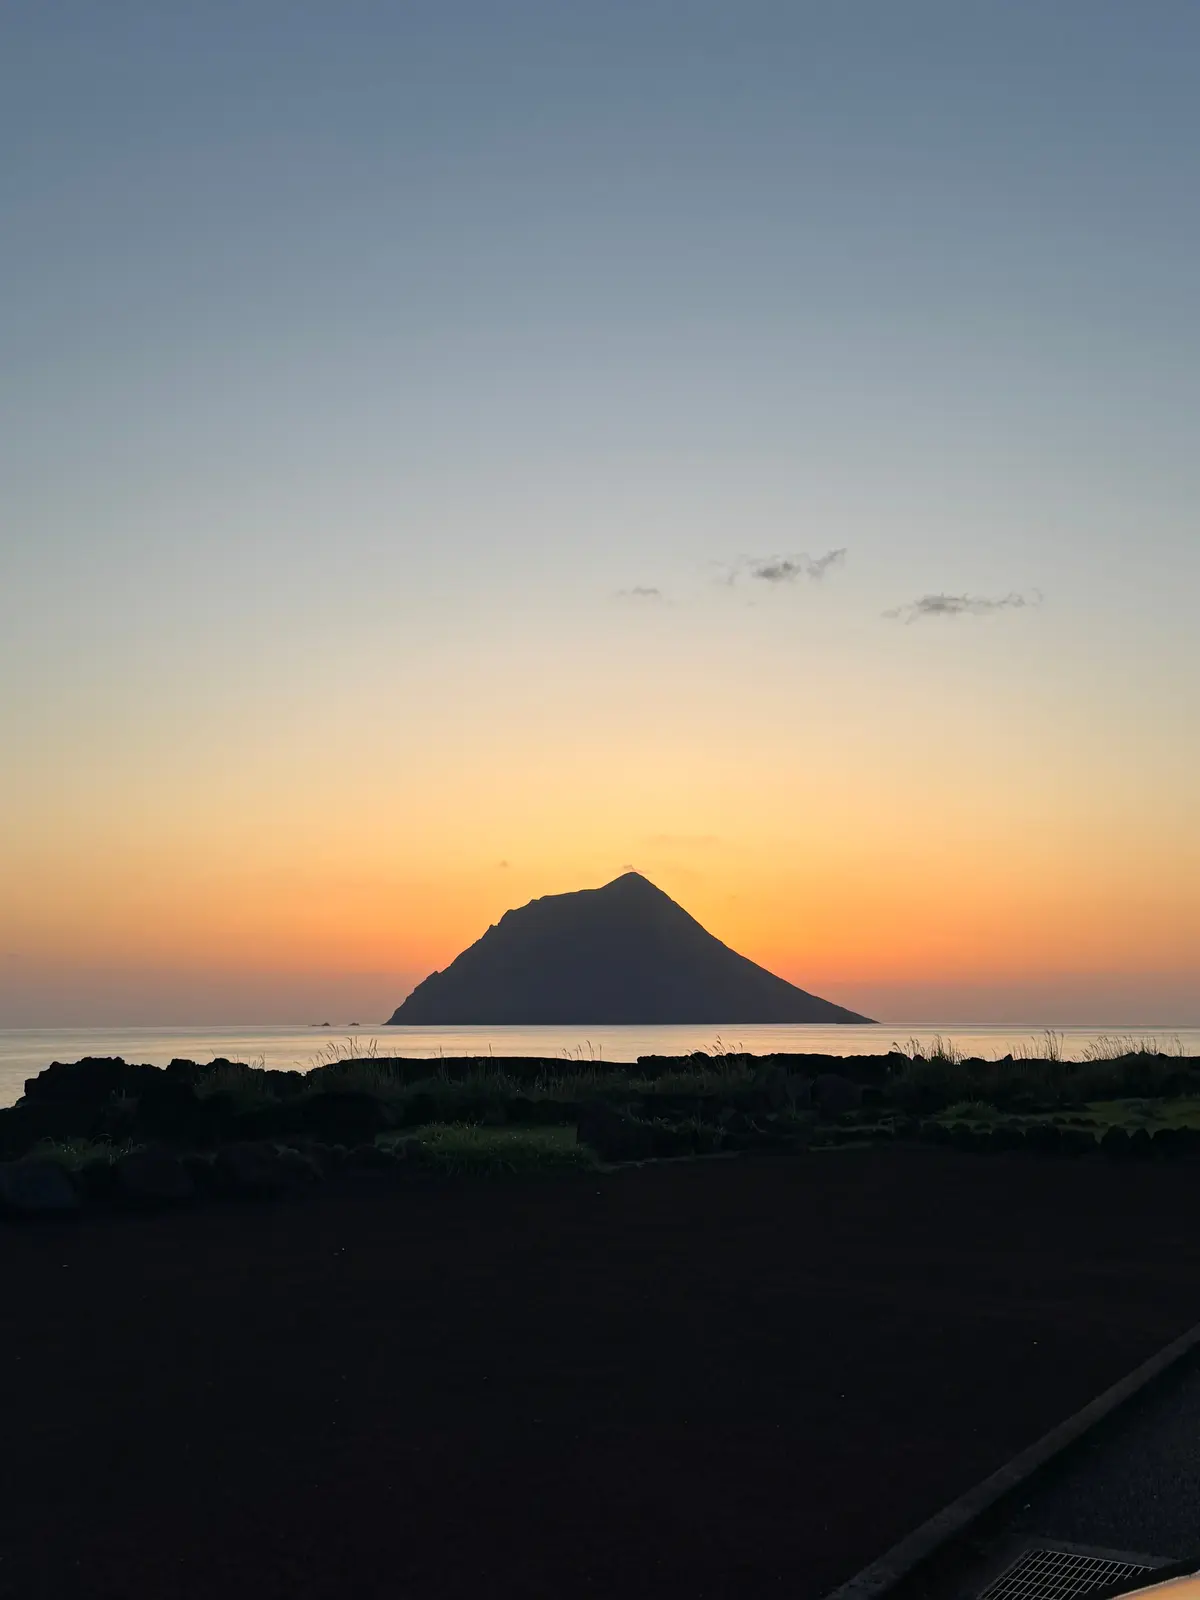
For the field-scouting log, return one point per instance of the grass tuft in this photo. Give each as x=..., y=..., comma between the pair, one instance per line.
x=466, y=1147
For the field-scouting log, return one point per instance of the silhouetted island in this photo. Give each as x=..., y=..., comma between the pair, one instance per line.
x=623, y=954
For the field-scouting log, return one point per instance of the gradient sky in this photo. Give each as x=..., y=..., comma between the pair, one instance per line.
x=390, y=393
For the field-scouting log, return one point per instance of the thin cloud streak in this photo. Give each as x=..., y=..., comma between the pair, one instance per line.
x=783, y=569
x=641, y=591
x=961, y=605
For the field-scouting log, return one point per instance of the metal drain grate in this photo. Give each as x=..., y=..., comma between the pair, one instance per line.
x=1059, y=1574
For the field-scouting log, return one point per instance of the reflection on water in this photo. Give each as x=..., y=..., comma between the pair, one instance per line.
x=25, y=1051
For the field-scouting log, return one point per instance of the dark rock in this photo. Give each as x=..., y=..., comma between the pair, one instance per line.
x=203, y=1173
x=1006, y=1136
x=250, y=1171
x=16, y=1131
x=408, y=1150
x=344, y=1117
x=1044, y=1139
x=833, y=1095
x=1077, y=1142
x=34, y=1188
x=370, y=1156
x=964, y=1137
x=153, y=1180
x=1139, y=1145
x=168, y=1108
x=612, y=1136
x=90, y=1081
x=300, y=1167
x=1165, y=1144
x=1115, y=1144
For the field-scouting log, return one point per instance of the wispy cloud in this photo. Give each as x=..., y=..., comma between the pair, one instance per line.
x=641, y=591
x=961, y=605
x=783, y=569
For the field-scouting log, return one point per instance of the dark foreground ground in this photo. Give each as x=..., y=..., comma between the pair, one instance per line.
x=729, y=1377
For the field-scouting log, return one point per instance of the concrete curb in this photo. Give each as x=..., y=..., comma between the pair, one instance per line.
x=900, y=1560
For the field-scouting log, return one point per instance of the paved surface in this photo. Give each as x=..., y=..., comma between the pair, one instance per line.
x=1135, y=1484
x=1130, y=1486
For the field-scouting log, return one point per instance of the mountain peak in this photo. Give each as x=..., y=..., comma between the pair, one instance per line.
x=625, y=953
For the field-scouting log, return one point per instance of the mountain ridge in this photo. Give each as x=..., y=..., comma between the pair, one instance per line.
x=622, y=954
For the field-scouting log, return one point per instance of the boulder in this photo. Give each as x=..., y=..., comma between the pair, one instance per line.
x=1044, y=1139
x=34, y=1188
x=249, y=1171
x=1165, y=1144
x=1115, y=1144
x=408, y=1150
x=302, y=1166
x=370, y=1157
x=833, y=1095
x=1140, y=1148
x=1077, y=1142
x=153, y=1180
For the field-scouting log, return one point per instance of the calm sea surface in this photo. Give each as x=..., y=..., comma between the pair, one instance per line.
x=25, y=1051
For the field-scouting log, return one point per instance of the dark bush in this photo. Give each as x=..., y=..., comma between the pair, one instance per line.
x=344, y=1117
x=613, y=1135
x=417, y=1109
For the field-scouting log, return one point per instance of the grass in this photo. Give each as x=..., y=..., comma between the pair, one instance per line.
x=76, y=1153
x=940, y=1051
x=1115, y=1046
x=467, y=1147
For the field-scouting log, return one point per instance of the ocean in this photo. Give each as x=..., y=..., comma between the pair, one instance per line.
x=25, y=1051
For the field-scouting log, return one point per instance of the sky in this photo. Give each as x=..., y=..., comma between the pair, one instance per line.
x=451, y=453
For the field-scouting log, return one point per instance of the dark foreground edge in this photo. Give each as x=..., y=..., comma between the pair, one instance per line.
x=916, y=1547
